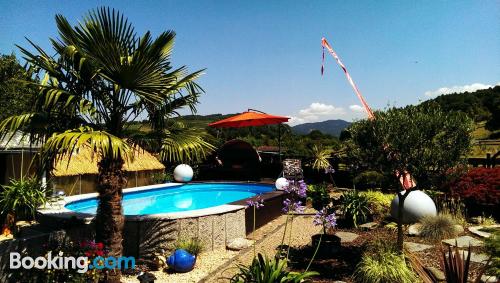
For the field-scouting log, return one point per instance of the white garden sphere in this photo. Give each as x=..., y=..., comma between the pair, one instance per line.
x=183, y=173
x=281, y=183
x=416, y=205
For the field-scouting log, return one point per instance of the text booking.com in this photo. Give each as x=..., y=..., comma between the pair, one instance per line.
x=82, y=264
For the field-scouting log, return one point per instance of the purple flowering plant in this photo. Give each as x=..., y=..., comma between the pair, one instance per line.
x=291, y=206
x=257, y=203
x=325, y=218
x=297, y=190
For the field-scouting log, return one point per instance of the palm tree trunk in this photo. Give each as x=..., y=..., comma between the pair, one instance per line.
x=109, y=219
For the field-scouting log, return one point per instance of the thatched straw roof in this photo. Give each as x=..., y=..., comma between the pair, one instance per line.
x=84, y=161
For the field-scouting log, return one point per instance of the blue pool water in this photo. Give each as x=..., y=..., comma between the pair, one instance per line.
x=177, y=198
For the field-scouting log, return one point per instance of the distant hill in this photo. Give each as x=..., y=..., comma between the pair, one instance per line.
x=331, y=127
x=482, y=105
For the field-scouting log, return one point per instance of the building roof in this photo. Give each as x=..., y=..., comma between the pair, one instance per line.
x=84, y=161
x=18, y=141
x=268, y=148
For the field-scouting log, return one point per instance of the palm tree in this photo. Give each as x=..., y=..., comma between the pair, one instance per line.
x=320, y=160
x=102, y=77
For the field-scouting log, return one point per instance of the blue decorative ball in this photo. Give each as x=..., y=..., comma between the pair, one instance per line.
x=181, y=261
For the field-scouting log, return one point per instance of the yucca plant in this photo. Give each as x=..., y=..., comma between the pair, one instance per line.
x=265, y=270
x=102, y=77
x=355, y=207
x=456, y=269
x=320, y=161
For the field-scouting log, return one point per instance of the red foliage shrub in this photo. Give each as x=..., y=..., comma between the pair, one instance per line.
x=480, y=185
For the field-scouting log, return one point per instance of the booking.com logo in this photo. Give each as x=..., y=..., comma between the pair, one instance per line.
x=81, y=264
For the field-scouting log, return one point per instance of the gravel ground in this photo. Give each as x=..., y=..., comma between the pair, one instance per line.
x=268, y=239
x=217, y=266
x=205, y=263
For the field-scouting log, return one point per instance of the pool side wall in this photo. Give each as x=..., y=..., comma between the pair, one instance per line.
x=273, y=203
x=143, y=236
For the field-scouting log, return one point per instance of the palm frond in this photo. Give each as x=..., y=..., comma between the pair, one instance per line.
x=183, y=144
x=101, y=142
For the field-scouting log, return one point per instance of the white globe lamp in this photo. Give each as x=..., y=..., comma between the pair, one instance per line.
x=183, y=173
x=416, y=205
x=281, y=183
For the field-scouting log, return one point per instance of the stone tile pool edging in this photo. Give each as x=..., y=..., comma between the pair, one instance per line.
x=60, y=211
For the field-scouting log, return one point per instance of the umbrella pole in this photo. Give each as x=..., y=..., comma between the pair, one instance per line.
x=279, y=141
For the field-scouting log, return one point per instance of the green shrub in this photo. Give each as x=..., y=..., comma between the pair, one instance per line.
x=319, y=195
x=193, y=246
x=266, y=270
x=369, y=179
x=453, y=206
x=492, y=245
x=22, y=197
x=384, y=266
x=438, y=227
x=161, y=177
x=487, y=220
x=379, y=203
x=355, y=207
x=381, y=246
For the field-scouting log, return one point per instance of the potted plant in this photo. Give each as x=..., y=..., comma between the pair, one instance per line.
x=184, y=257
x=329, y=242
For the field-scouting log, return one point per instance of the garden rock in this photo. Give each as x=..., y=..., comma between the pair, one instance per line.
x=489, y=279
x=368, y=226
x=476, y=230
x=416, y=247
x=474, y=257
x=464, y=242
x=436, y=273
x=414, y=229
x=238, y=244
x=346, y=237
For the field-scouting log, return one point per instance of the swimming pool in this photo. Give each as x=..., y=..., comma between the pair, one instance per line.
x=178, y=198
x=157, y=215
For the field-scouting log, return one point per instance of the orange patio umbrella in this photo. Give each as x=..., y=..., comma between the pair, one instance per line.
x=252, y=118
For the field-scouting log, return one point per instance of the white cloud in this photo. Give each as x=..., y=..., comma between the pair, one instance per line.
x=317, y=112
x=356, y=108
x=457, y=89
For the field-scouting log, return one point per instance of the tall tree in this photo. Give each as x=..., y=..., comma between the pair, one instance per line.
x=104, y=76
x=423, y=141
x=15, y=96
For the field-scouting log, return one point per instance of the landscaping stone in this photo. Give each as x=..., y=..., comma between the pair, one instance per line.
x=346, y=237
x=414, y=229
x=476, y=230
x=489, y=279
x=416, y=247
x=464, y=242
x=238, y=244
x=368, y=226
x=474, y=257
x=436, y=273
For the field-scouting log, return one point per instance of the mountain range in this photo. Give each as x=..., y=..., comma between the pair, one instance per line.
x=331, y=127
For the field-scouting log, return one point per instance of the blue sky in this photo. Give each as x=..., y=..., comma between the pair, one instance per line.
x=267, y=55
